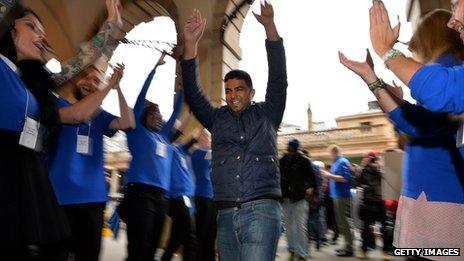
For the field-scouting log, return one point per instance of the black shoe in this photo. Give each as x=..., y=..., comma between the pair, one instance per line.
x=339, y=250
x=345, y=253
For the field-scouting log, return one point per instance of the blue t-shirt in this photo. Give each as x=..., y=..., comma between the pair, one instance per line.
x=151, y=158
x=181, y=177
x=151, y=151
x=439, y=86
x=341, y=167
x=13, y=100
x=432, y=163
x=79, y=178
x=201, y=166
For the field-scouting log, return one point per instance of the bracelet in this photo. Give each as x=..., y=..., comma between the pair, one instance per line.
x=375, y=85
x=391, y=54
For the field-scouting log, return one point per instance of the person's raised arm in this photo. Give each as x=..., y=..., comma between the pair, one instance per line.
x=85, y=109
x=276, y=93
x=139, y=106
x=198, y=102
x=434, y=86
x=384, y=37
x=103, y=43
x=410, y=119
x=166, y=130
x=365, y=70
x=127, y=120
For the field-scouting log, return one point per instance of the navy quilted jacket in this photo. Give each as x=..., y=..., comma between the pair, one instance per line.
x=244, y=149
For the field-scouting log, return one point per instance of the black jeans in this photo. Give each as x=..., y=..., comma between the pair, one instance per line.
x=182, y=231
x=370, y=212
x=143, y=209
x=48, y=252
x=206, y=225
x=86, y=222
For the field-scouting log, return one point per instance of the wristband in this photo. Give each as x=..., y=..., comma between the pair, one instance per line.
x=375, y=85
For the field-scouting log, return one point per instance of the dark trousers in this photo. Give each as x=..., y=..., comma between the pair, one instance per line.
x=370, y=212
x=143, y=209
x=206, y=226
x=314, y=226
x=86, y=221
x=330, y=216
x=182, y=231
x=49, y=252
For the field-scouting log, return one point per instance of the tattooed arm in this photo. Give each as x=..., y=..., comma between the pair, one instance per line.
x=103, y=43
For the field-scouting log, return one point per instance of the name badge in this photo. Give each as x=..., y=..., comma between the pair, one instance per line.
x=30, y=135
x=460, y=135
x=187, y=201
x=83, y=144
x=161, y=149
x=208, y=155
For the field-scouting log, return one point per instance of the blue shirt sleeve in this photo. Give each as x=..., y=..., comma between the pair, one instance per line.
x=140, y=103
x=104, y=120
x=438, y=88
x=167, y=127
x=343, y=169
x=416, y=121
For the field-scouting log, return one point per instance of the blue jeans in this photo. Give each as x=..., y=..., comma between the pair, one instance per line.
x=250, y=232
x=295, y=222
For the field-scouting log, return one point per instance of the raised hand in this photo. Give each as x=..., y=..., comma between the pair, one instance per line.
x=383, y=36
x=161, y=60
x=114, y=14
x=194, y=27
x=267, y=14
x=193, y=31
x=397, y=90
x=118, y=73
x=267, y=20
x=364, y=69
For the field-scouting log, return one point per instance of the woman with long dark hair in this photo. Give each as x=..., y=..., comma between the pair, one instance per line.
x=33, y=224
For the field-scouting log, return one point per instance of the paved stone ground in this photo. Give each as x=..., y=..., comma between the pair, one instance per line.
x=115, y=250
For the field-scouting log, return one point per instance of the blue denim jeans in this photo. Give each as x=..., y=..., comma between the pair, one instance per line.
x=295, y=223
x=250, y=232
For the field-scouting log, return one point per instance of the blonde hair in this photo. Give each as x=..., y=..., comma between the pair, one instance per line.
x=334, y=148
x=433, y=38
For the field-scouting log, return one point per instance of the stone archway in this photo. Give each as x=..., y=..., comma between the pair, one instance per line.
x=66, y=29
x=228, y=20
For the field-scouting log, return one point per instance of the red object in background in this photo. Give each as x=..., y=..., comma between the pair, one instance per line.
x=391, y=205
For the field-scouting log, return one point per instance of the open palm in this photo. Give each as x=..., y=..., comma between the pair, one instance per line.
x=194, y=27
x=364, y=69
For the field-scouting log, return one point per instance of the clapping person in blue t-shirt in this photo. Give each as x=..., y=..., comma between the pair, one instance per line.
x=435, y=86
x=76, y=165
x=37, y=220
x=181, y=202
x=33, y=225
x=431, y=135
x=148, y=179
